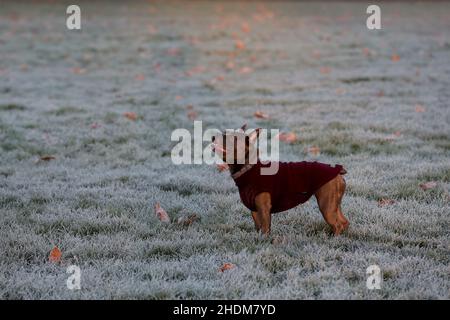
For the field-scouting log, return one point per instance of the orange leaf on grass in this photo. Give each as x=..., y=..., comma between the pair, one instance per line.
x=420, y=108
x=192, y=115
x=173, y=51
x=428, y=185
x=161, y=214
x=226, y=266
x=77, y=70
x=130, y=115
x=55, y=255
x=95, y=125
x=261, y=115
x=139, y=77
x=325, y=70
x=239, y=44
x=245, y=27
x=289, y=137
x=187, y=221
x=385, y=202
x=230, y=65
x=245, y=70
x=395, y=57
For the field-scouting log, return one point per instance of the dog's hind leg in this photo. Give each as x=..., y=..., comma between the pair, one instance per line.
x=328, y=198
x=341, y=191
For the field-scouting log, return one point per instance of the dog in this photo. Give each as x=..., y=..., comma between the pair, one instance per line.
x=294, y=182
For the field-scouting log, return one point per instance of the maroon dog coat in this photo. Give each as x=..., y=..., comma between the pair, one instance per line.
x=293, y=184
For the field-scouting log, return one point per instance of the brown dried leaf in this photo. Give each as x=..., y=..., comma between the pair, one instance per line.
x=239, y=44
x=385, y=202
x=428, y=185
x=55, y=255
x=395, y=57
x=187, y=221
x=192, y=115
x=226, y=266
x=130, y=115
x=161, y=214
x=261, y=115
x=420, y=108
x=288, y=137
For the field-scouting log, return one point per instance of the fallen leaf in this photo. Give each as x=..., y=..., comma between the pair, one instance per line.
x=313, y=150
x=289, y=137
x=325, y=70
x=139, y=77
x=239, y=44
x=261, y=115
x=195, y=70
x=230, y=65
x=173, y=51
x=366, y=52
x=55, y=255
x=385, y=202
x=178, y=97
x=47, y=158
x=192, y=115
x=161, y=214
x=428, y=185
x=77, y=70
x=226, y=266
x=187, y=221
x=395, y=58
x=130, y=115
x=394, y=136
x=380, y=93
x=245, y=70
x=95, y=125
x=222, y=167
x=419, y=108
x=245, y=27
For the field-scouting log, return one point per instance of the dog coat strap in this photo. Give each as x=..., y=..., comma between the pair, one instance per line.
x=242, y=171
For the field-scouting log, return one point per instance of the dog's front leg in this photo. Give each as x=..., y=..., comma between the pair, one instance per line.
x=257, y=221
x=263, y=204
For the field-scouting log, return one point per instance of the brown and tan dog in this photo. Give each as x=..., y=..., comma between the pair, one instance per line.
x=294, y=184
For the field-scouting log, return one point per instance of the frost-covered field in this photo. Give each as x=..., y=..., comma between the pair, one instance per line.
x=375, y=101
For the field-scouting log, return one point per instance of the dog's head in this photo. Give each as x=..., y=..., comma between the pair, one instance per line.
x=236, y=146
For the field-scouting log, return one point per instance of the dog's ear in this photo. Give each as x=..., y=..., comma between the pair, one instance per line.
x=244, y=127
x=254, y=135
